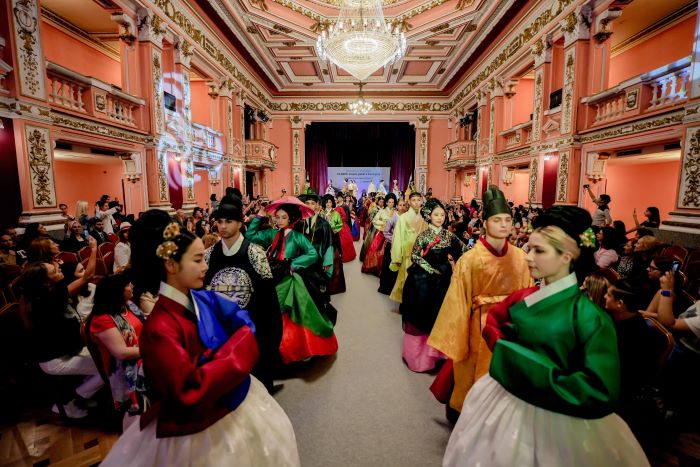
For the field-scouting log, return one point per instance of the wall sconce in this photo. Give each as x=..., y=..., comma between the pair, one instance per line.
x=133, y=178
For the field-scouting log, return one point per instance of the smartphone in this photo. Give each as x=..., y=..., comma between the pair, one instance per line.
x=674, y=266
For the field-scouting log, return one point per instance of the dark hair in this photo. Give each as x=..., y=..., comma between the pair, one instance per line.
x=146, y=234
x=414, y=194
x=31, y=231
x=121, y=235
x=390, y=196
x=642, y=232
x=610, y=240
x=655, y=218
x=431, y=205
x=628, y=293
x=212, y=197
x=33, y=282
x=325, y=199
x=109, y=295
x=605, y=199
x=621, y=230
x=40, y=250
x=196, y=209
x=292, y=211
x=665, y=263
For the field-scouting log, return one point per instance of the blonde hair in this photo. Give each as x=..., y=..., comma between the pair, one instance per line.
x=560, y=240
x=81, y=207
x=596, y=285
x=210, y=239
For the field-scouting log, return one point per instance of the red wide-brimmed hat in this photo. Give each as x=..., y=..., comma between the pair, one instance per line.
x=290, y=200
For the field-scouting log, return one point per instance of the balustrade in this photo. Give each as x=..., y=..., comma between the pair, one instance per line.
x=96, y=99
x=519, y=135
x=460, y=154
x=649, y=92
x=260, y=154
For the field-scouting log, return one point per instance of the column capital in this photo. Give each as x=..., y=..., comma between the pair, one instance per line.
x=150, y=27
x=183, y=52
x=603, y=22
x=423, y=121
x=577, y=25
x=297, y=122
x=542, y=50
x=127, y=27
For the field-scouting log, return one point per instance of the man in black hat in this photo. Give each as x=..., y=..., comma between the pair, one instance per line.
x=239, y=269
x=318, y=230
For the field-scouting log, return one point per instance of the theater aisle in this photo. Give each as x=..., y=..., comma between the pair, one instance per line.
x=363, y=407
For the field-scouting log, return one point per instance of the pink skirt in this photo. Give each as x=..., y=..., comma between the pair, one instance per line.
x=418, y=355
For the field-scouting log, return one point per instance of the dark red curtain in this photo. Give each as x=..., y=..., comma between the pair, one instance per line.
x=360, y=144
x=549, y=180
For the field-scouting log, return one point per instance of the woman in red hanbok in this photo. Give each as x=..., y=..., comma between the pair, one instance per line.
x=346, y=245
x=374, y=256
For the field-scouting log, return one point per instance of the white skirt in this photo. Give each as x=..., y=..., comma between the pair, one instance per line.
x=257, y=433
x=496, y=428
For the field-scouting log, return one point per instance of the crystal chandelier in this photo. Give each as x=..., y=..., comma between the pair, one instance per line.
x=360, y=106
x=361, y=42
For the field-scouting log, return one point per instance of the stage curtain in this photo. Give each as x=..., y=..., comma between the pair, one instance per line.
x=317, y=161
x=361, y=144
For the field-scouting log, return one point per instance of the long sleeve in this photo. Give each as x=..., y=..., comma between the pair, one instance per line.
x=335, y=221
x=122, y=255
x=422, y=242
x=589, y=389
x=261, y=237
x=177, y=378
x=305, y=255
x=397, y=243
x=380, y=220
x=389, y=228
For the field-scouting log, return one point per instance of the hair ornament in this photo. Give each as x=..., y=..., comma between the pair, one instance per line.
x=587, y=238
x=168, y=248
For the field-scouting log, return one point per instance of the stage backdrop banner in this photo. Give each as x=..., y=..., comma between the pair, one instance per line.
x=362, y=176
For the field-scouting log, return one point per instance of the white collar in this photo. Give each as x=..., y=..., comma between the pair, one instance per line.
x=234, y=248
x=175, y=295
x=434, y=228
x=548, y=290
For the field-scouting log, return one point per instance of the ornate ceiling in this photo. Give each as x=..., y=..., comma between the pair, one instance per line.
x=280, y=36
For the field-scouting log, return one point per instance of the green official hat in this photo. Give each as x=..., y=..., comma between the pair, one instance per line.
x=495, y=202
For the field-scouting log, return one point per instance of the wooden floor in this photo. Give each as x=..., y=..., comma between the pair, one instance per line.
x=41, y=439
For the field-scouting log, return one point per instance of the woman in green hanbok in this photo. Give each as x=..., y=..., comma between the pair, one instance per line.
x=306, y=332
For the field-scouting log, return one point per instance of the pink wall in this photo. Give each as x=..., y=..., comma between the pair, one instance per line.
x=517, y=191
x=438, y=136
x=79, y=181
x=660, y=50
x=201, y=187
x=63, y=50
x=639, y=186
x=201, y=103
x=281, y=135
x=519, y=107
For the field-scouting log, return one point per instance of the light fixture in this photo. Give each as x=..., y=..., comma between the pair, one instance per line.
x=360, y=106
x=361, y=42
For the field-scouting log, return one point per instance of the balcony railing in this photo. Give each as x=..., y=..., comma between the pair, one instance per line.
x=72, y=91
x=459, y=154
x=260, y=154
x=519, y=135
x=206, y=138
x=662, y=88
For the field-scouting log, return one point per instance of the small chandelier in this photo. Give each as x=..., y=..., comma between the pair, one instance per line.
x=361, y=42
x=360, y=106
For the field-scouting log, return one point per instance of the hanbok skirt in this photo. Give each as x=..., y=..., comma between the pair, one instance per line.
x=417, y=354
x=347, y=247
x=336, y=284
x=369, y=237
x=306, y=332
x=355, y=230
x=387, y=277
x=496, y=429
x=372, y=263
x=257, y=433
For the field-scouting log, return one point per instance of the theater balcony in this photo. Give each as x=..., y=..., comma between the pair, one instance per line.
x=654, y=92
x=74, y=93
x=459, y=155
x=260, y=154
x=207, y=138
x=517, y=137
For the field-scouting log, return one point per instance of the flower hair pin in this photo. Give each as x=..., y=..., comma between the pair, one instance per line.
x=168, y=248
x=587, y=238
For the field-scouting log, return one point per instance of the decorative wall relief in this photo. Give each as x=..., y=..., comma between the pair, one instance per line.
x=492, y=125
x=187, y=105
x=297, y=184
x=423, y=148
x=158, y=116
x=188, y=178
x=562, y=176
x=568, y=92
x=296, y=147
x=40, y=166
x=689, y=192
x=229, y=126
x=162, y=157
x=532, y=192
x=28, y=48
x=422, y=183
x=537, y=107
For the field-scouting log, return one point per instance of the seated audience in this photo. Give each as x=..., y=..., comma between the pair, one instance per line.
x=75, y=241
x=7, y=252
x=624, y=266
x=43, y=250
x=122, y=250
x=653, y=219
x=55, y=326
x=606, y=256
x=115, y=327
x=98, y=231
x=596, y=286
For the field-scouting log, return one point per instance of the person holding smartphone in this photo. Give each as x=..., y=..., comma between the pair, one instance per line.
x=601, y=216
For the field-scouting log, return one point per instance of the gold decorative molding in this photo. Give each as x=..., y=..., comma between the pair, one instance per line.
x=652, y=123
x=88, y=126
x=40, y=166
x=532, y=190
x=689, y=192
x=562, y=176
x=30, y=63
x=568, y=92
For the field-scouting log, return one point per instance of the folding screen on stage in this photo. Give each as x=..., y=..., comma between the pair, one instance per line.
x=363, y=176
x=360, y=146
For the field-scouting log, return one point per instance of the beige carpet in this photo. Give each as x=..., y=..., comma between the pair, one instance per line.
x=363, y=407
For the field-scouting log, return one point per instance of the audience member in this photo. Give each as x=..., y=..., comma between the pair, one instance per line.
x=606, y=256
x=7, y=252
x=122, y=250
x=653, y=219
x=624, y=266
x=43, y=250
x=596, y=286
x=75, y=241
x=98, y=232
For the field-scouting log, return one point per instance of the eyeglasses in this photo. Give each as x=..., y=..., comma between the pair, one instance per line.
x=653, y=268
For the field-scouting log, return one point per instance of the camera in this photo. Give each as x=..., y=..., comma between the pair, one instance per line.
x=586, y=186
